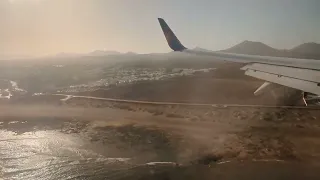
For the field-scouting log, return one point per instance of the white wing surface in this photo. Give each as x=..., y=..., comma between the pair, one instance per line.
x=301, y=74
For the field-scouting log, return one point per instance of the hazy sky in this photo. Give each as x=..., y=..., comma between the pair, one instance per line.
x=40, y=27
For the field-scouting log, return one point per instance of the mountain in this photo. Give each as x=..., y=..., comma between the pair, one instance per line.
x=103, y=53
x=305, y=51
x=307, y=48
x=75, y=55
x=200, y=49
x=67, y=55
x=253, y=48
x=131, y=53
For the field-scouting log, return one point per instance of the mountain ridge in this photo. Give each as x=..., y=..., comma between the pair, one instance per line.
x=309, y=50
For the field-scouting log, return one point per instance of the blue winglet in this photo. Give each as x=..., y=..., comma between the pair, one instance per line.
x=172, y=39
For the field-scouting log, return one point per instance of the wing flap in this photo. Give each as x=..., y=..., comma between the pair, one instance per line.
x=302, y=79
x=297, y=73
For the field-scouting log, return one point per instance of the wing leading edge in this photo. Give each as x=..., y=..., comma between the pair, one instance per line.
x=302, y=74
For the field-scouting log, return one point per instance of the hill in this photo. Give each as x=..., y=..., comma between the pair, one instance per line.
x=103, y=53
x=253, y=48
x=307, y=50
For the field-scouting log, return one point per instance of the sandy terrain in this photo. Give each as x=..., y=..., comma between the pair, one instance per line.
x=204, y=141
x=226, y=133
x=187, y=135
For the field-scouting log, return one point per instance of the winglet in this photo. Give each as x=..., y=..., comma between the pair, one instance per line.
x=172, y=39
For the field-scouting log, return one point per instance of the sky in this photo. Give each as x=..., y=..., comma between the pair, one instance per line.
x=43, y=27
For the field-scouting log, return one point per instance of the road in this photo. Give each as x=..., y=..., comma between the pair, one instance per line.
x=69, y=96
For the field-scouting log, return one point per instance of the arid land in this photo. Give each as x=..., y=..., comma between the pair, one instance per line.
x=202, y=135
x=226, y=132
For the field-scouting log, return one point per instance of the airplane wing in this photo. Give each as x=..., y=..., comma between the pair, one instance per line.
x=301, y=74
